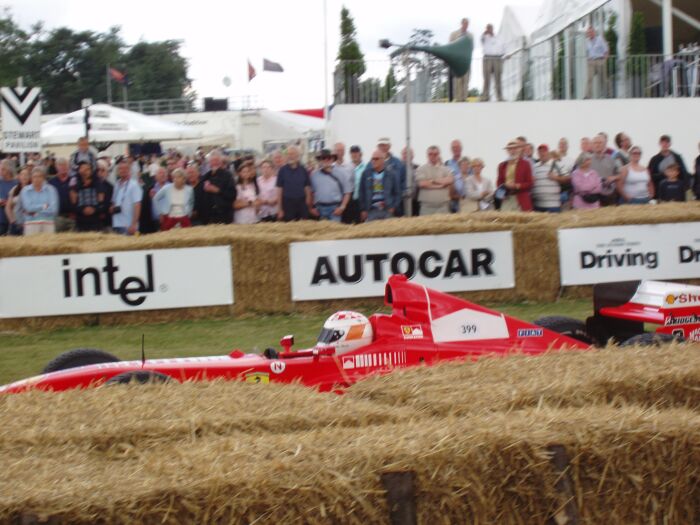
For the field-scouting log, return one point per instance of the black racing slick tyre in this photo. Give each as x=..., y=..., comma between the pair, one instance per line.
x=651, y=339
x=566, y=326
x=140, y=377
x=79, y=357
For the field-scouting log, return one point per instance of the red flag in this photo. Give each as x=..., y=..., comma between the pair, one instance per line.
x=251, y=71
x=117, y=75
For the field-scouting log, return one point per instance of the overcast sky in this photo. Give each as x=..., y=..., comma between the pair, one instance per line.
x=218, y=38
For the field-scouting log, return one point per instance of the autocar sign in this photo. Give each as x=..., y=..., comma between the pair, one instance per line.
x=360, y=267
x=115, y=281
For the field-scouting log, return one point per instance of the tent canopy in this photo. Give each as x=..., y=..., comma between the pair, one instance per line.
x=110, y=124
x=517, y=24
x=281, y=125
x=557, y=15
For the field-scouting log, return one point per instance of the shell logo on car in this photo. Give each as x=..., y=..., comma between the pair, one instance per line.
x=682, y=299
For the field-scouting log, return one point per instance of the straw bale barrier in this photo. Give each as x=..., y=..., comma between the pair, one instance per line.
x=478, y=437
x=260, y=256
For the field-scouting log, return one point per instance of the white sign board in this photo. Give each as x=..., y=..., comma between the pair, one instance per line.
x=89, y=283
x=360, y=267
x=626, y=253
x=21, y=119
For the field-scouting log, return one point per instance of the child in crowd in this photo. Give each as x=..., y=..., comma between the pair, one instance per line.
x=671, y=188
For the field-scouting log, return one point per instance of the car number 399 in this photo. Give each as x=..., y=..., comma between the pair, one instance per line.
x=468, y=329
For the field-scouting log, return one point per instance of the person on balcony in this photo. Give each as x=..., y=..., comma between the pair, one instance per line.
x=597, y=52
x=461, y=84
x=493, y=63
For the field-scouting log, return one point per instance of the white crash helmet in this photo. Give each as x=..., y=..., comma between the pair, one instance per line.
x=345, y=331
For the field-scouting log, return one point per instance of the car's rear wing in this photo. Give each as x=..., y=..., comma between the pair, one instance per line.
x=646, y=301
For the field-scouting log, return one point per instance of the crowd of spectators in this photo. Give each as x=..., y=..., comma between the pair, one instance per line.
x=143, y=194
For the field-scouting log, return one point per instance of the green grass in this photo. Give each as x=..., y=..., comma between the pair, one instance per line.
x=23, y=355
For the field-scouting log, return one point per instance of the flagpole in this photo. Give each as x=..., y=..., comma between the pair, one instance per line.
x=325, y=62
x=109, y=87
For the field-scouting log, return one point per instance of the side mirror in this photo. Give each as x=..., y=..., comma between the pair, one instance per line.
x=287, y=342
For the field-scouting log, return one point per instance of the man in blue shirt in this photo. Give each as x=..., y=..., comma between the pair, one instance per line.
x=293, y=188
x=39, y=204
x=331, y=188
x=597, y=51
x=380, y=189
x=384, y=145
x=126, y=201
x=453, y=164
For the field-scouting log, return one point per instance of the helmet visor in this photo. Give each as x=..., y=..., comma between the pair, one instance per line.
x=330, y=335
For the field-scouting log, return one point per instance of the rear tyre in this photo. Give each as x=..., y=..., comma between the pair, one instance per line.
x=79, y=357
x=566, y=326
x=651, y=339
x=140, y=377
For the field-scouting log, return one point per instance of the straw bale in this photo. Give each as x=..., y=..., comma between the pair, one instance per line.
x=627, y=463
x=652, y=377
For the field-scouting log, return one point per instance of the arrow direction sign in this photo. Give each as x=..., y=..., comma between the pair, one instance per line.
x=20, y=108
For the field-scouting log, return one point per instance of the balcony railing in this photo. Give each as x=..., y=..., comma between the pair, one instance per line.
x=184, y=105
x=528, y=77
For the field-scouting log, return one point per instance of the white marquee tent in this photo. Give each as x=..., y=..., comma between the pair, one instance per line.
x=110, y=124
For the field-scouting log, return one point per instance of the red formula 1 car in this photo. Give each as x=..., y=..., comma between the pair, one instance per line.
x=425, y=327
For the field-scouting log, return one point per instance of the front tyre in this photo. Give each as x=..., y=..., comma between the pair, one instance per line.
x=566, y=326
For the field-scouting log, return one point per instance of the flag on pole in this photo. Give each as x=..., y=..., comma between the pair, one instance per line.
x=269, y=65
x=251, y=71
x=118, y=75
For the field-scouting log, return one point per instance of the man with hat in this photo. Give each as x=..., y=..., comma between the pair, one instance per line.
x=514, y=180
x=331, y=188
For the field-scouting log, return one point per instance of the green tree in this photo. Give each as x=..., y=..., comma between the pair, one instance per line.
x=636, y=63
x=351, y=58
x=69, y=66
x=14, y=43
x=58, y=64
x=156, y=70
x=389, y=90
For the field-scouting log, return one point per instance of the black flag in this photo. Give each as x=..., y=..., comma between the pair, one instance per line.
x=269, y=65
